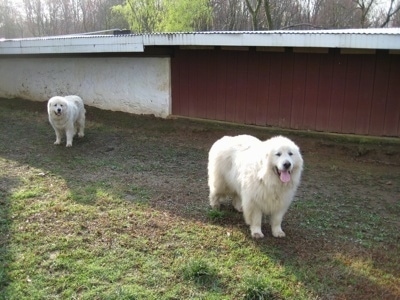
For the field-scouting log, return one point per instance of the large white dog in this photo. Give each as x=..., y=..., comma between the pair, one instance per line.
x=66, y=114
x=261, y=177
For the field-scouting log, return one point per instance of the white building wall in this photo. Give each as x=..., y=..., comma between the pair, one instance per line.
x=128, y=84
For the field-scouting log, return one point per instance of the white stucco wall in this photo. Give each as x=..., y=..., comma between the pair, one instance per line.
x=129, y=84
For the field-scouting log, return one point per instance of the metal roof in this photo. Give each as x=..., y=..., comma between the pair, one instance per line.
x=388, y=38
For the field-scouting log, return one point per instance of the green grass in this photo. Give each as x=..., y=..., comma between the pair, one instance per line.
x=202, y=273
x=258, y=288
x=89, y=243
x=124, y=214
x=216, y=215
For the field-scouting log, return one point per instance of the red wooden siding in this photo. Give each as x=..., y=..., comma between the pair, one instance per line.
x=332, y=92
x=391, y=126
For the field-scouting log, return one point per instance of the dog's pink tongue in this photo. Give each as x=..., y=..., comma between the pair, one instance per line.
x=285, y=176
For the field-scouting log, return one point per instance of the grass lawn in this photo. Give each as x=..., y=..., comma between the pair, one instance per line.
x=124, y=214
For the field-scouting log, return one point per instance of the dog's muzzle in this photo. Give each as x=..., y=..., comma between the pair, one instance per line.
x=285, y=173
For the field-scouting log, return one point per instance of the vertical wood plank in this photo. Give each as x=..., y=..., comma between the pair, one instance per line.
x=252, y=95
x=338, y=88
x=241, y=86
x=311, y=99
x=176, y=84
x=380, y=93
x=274, y=90
x=183, y=88
x=365, y=94
x=201, y=82
x=222, y=85
x=286, y=94
x=299, y=91
x=195, y=109
x=263, y=87
x=231, y=85
x=324, y=92
x=392, y=113
x=211, y=85
x=351, y=94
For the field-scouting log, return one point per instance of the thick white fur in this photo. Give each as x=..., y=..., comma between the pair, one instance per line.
x=247, y=169
x=66, y=114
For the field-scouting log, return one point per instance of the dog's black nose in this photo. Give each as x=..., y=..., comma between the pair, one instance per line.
x=58, y=109
x=287, y=165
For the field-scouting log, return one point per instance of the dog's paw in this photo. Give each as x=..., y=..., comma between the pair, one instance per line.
x=257, y=235
x=69, y=145
x=57, y=142
x=81, y=135
x=278, y=233
x=214, y=203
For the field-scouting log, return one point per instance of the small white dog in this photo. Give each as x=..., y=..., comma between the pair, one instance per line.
x=261, y=177
x=66, y=114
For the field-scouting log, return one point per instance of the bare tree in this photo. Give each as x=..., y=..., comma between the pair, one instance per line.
x=391, y=12
x=96, y=15
x=337, y=14
x=34, y=16
x=230, y=15
x=268, y=14
x=10, y=20
x=283, y=13
x=88, y=14
x=254, y=11
x=365, y=7
x=57, y=17
x=395, y=19
x=310, y=11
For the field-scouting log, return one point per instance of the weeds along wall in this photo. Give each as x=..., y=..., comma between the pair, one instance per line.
x=128, y=84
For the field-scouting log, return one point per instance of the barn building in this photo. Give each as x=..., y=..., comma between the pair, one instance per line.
x=341, y=81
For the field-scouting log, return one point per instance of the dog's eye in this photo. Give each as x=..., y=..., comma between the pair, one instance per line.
x=290, y=153
x=278, y=154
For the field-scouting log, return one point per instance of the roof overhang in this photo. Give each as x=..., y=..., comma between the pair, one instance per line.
x=388, y=38
x=72, y=44
x=358, y=39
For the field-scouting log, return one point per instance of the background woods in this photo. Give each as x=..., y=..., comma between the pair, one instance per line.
x=33, y=18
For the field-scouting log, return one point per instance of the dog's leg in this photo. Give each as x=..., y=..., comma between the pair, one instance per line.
x=58, y=136
x=81, y=126
x=237, y=203
x=215, y=192
x=276, y=221
x=214, y=201
x=69, y=132
x=253, y=217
